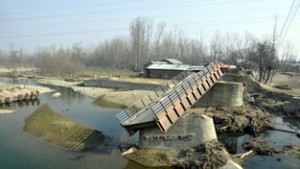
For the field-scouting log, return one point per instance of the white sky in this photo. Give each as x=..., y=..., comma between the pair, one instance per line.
x=29, y=24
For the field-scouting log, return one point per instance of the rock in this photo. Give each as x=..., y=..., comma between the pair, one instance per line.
x=283, y=87
x=57, y=94
x=231, y=165
x=6, y=111
x=289, y=108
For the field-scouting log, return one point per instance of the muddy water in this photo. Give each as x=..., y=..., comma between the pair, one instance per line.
x=274, y=139
x=20, y=150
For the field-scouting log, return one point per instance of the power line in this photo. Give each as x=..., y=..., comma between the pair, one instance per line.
x=243, y=20
x=295, y=10
x=120, y=19
x=62, y=33
x=74, y=7
x=171, y=5
x=286, y=19
x=118, y=2
x=123, y=29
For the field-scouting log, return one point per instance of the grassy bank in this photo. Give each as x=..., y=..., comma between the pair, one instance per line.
x=49, y=126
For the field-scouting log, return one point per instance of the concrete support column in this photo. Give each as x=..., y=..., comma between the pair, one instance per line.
x=223, y=94
x=189, y=131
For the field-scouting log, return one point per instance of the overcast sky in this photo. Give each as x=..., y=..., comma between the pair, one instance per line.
x=33, y=23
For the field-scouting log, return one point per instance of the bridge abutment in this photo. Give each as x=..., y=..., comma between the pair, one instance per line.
x=223, y=93
x=189, y=131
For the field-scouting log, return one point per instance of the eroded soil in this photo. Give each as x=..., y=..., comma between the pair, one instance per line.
x=49, y=126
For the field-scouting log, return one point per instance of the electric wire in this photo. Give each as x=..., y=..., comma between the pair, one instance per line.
x=241, y=21
x=139, y=8
x=295, y=10
x=286, y=20
x=121, y=19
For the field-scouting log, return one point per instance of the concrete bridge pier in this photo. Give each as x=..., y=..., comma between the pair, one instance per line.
x=189, y=131
x=223, y=93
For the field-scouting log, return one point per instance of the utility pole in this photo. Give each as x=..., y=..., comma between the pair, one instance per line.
x=261, y=49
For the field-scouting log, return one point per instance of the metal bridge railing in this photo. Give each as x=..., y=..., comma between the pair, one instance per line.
x=151, y=97
x=182, y=84
x=181, y=90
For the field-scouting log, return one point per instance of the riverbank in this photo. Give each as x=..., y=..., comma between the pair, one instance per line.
x=124, y=98
x=9, y=86
x=56, y=129
x=267, y=97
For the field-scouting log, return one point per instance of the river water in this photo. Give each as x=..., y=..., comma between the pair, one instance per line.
x=20, y=150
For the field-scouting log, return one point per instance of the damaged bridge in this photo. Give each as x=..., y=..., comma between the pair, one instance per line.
x=165, y=105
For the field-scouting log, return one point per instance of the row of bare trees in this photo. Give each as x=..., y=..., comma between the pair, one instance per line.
x=148, y=41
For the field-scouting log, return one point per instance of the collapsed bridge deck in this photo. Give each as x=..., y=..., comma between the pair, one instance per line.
x=165, y=105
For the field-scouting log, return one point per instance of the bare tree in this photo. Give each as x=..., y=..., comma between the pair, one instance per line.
x=140, y=32
x=158, y=37
x=262, y=53
x=216, y=47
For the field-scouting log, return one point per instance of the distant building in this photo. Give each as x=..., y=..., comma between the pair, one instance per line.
x=172, y=61
x=167, y=68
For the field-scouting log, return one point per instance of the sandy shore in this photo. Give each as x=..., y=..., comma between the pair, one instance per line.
x=88, y=91
x=104, y=95
x=5, y=86
x=111, y=97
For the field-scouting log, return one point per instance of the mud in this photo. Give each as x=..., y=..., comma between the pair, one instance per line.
x=120, y=99
x=53, y=128
x=260, y=147
x=151, y=157
x=280, y=97
x=279, y=103
x=211, y=154
x=246, y=119
x=292, y=150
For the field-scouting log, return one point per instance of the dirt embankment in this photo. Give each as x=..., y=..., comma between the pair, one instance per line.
x=10, y=87
x=245, y=119
x=260, y=147
x=103, y=96
x=120, y=99
x=267, y=96
x=49, y=126
x=15, y=93
x=211, y=154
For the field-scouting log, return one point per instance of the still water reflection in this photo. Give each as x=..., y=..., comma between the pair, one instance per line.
x=22, y=150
